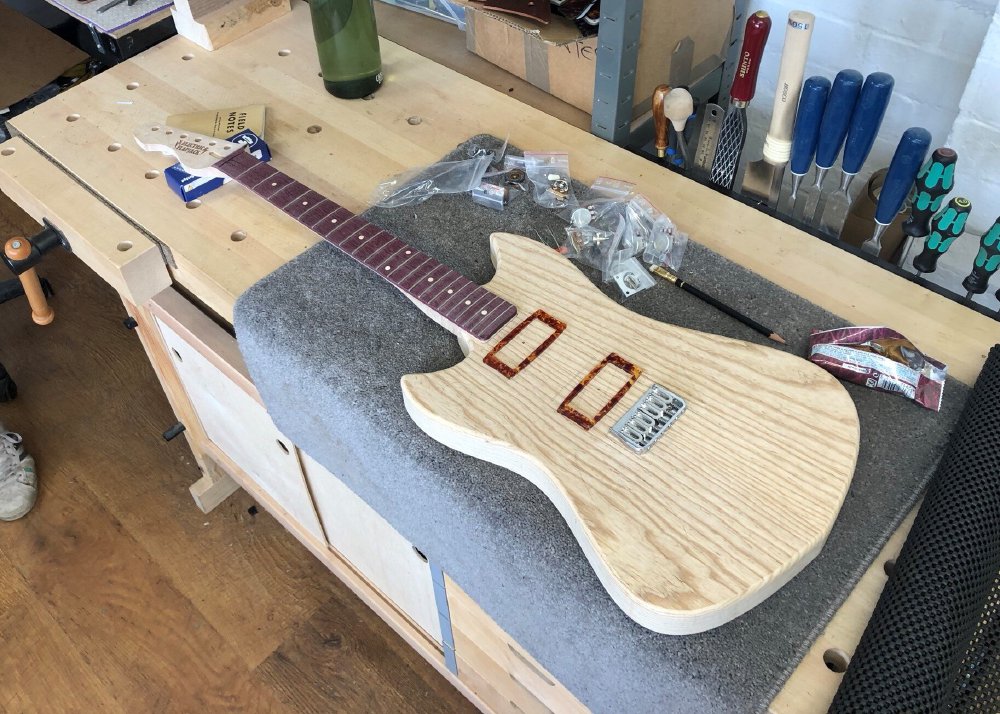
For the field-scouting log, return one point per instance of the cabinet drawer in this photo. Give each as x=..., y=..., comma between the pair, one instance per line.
x=499, y=666
x=231, y=418
x=367, y=541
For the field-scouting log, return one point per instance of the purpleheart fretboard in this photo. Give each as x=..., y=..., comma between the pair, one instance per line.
x=472, y=308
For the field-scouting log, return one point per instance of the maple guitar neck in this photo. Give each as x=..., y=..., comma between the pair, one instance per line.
x=446, y=292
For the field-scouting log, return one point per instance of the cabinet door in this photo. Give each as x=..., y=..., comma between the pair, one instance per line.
x=238, y=424
x=367, y=541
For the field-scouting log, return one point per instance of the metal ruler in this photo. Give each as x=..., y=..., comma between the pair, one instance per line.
x=708, y=137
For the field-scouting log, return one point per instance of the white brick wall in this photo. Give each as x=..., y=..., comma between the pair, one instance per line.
x=928, y=46
x=945, y=58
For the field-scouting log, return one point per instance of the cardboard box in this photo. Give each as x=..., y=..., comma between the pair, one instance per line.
x=681, y=41
x=189, y=187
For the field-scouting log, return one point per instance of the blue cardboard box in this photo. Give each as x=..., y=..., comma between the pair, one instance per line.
x=190, y=187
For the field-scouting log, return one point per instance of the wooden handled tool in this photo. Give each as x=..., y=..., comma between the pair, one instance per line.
x=18, y=248
x=734, y=126
x=945, y=227
x=660, y=120
x=909, y=156
x=865, y=123
x=832, y=132
x=678, y=106
x=763, y=177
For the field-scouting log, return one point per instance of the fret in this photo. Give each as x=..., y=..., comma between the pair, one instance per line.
x=284, y=198
x=453, y=296
x=255, y=174
x=342, y=231
x=332, y=222
x=429, y=285
x=303, y=204
x=388, y=252
x=314, y=215
x=498, y=317
x=446, y=288
x=236, y=165
x=464, y=288
x=408, y=262
x=417, y=271
x=266, y=189
x=372, y=244
x=485, y=312
x=469, y=307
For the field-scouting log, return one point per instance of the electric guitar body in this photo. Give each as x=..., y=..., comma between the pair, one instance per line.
x=735, y=497
x=698, y=473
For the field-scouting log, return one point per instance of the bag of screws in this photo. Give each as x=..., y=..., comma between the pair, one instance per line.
x=551, y=184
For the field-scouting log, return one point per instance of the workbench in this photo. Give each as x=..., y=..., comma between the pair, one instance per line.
x=179, y=272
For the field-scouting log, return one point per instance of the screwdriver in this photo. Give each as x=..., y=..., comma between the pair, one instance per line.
x=934, y=182
x=986, y=263
x=947, y=225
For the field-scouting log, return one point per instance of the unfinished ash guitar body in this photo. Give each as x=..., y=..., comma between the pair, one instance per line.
x=731, y=500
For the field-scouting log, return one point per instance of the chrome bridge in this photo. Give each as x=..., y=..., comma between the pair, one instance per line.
x=648, y=418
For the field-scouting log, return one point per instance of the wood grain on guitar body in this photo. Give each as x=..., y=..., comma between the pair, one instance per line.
x=736, y=496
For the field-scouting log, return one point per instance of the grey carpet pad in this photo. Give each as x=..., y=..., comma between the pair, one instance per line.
x=327, y=342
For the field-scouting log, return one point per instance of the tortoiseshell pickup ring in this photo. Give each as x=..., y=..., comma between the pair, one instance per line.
x=505, y=369
x=582, y=419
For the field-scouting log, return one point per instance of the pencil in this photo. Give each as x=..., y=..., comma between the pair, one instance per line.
x=718, y=304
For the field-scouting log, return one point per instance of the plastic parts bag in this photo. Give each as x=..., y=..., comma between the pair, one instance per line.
x=417, y=185
x=551, y=184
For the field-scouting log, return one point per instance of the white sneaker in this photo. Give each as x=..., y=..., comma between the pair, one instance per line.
x=18, y=483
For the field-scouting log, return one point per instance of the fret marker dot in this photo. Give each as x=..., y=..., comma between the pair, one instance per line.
x=388, y=267
x=450, y=291
x=305, y=203
x=430, y=280
x=333, y=220
x=361, y=237
x=274, y=183
x=468, y=302
x=408, y=252
x=483, y=312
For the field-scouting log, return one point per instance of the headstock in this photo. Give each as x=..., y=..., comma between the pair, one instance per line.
x=196, y=152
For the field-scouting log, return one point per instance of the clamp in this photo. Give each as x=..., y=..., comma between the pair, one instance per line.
x=22, y=254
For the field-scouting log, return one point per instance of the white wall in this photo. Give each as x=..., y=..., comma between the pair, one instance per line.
x=945, y=58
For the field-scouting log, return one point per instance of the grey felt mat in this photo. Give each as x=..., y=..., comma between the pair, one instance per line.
x=326, y=343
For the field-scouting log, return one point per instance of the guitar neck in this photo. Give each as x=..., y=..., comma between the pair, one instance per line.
x=445, y=292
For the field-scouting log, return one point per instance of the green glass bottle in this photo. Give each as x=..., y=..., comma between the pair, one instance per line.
x=347, y=42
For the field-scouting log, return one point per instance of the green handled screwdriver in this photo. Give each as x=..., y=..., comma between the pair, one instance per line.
x=986, y=263
x=934, y=182
x=947, y=225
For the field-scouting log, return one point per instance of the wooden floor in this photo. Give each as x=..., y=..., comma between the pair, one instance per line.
x=117, y=594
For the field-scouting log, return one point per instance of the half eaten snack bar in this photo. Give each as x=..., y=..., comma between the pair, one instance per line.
x=882, y=359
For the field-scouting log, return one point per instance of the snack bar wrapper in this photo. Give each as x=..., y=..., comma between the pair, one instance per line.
x=882, y=359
